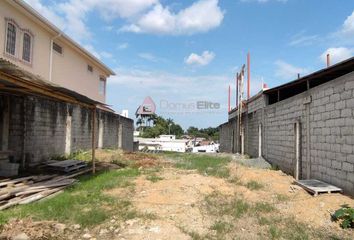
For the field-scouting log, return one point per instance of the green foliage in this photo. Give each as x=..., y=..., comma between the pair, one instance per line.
x=84, y=203
x=221, y=227
x=208, y=133
x=205, y=164
x=274, y=232
x=162, y=126
x=253, y=185
x=154, y=178
x=345, y=215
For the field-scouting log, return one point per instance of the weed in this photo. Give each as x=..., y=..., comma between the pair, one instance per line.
x=205, y=164
x=274, y=167
x=282, y=197
x=84, y=203
x=221, y=227
x=274, y=232
x=253, y=185
x=345, y=215
x=263, y=207
x=154, y=178
x=235, y=180
x=194, y=235
x=220, y=206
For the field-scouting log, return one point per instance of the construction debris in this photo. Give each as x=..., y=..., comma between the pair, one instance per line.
x=33, y=188
x=66, y=166
x=316, y=186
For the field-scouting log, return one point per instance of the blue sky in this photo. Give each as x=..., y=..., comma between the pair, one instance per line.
x=186, y=51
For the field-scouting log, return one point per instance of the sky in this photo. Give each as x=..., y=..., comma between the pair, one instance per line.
x=186, y=53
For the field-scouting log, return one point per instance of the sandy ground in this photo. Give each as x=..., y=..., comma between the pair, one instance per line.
x=176, y=202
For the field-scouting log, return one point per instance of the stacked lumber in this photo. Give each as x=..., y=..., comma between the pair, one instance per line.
x=66, y=166
x=33, y=188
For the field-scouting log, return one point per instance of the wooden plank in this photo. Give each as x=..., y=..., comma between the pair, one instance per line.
x=316, y=186
x=2, y=184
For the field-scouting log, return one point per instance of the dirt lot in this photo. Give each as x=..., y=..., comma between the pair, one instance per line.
x=187, y=203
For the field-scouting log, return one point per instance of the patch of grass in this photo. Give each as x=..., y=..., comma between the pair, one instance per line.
x=235, y=180
x=263, y=207
x=220, y=206
x=204, y=164
x=282, y=197
x=221, y=227
x=193, y=234
x=274, y=232
x=154, y=178
x=274, y=167
x=254, y=185
x=84, y=203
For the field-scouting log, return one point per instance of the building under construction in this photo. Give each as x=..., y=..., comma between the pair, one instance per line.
x=304, y=127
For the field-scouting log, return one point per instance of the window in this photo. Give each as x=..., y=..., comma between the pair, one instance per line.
x=89, y=68
x=57, y=48
x=19, y=41
x=27, y=47
x=11, y=39
x=102, y=87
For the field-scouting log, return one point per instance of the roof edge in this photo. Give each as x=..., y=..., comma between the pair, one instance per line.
x=46, y=22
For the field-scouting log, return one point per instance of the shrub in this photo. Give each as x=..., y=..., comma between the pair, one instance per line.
x=346, y=215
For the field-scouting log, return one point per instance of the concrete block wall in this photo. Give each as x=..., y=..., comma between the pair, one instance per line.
x=127, y=133
x=330, y=109
x=279, y=132
x=226, y=137
x=38, y=128
x=332, y=132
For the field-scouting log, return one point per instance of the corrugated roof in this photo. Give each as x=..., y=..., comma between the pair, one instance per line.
x=331, y=72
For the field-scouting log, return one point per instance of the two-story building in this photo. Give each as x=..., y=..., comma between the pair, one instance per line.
x=30, y=41
x=52, y=93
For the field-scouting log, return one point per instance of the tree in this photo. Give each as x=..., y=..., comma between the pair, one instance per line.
x=162, y=127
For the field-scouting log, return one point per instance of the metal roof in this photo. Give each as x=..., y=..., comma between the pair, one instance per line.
x=325, y=74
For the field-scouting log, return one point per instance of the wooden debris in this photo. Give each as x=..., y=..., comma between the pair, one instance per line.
x=316, y=187
x=66, y=166
x=33, y=188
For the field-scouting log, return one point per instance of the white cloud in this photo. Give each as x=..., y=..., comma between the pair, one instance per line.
x=148, y=16
x=265, y=1
x=287, y=71
x=123, y=46
x=162, y=82
x=92, y=50
x=337, y=54
x=204, y=59
x=348, y=25
x=105, y=54
x=148, y=56
x=201, y=16
x=300, y=39
x=70, y=15
x=48, y=13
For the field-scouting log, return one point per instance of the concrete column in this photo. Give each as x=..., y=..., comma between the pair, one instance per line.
x=242, y=140
x=297, y=149
x=260, y=140
x=100, y=133
x=68, y=134
x=307, y=102
x=120, y=135
x=5, y=129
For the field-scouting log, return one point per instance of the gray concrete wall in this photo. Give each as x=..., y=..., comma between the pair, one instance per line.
x=328, y=109
x=38, y=128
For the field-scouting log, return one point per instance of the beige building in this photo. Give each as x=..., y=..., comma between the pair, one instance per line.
x=31, y=42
